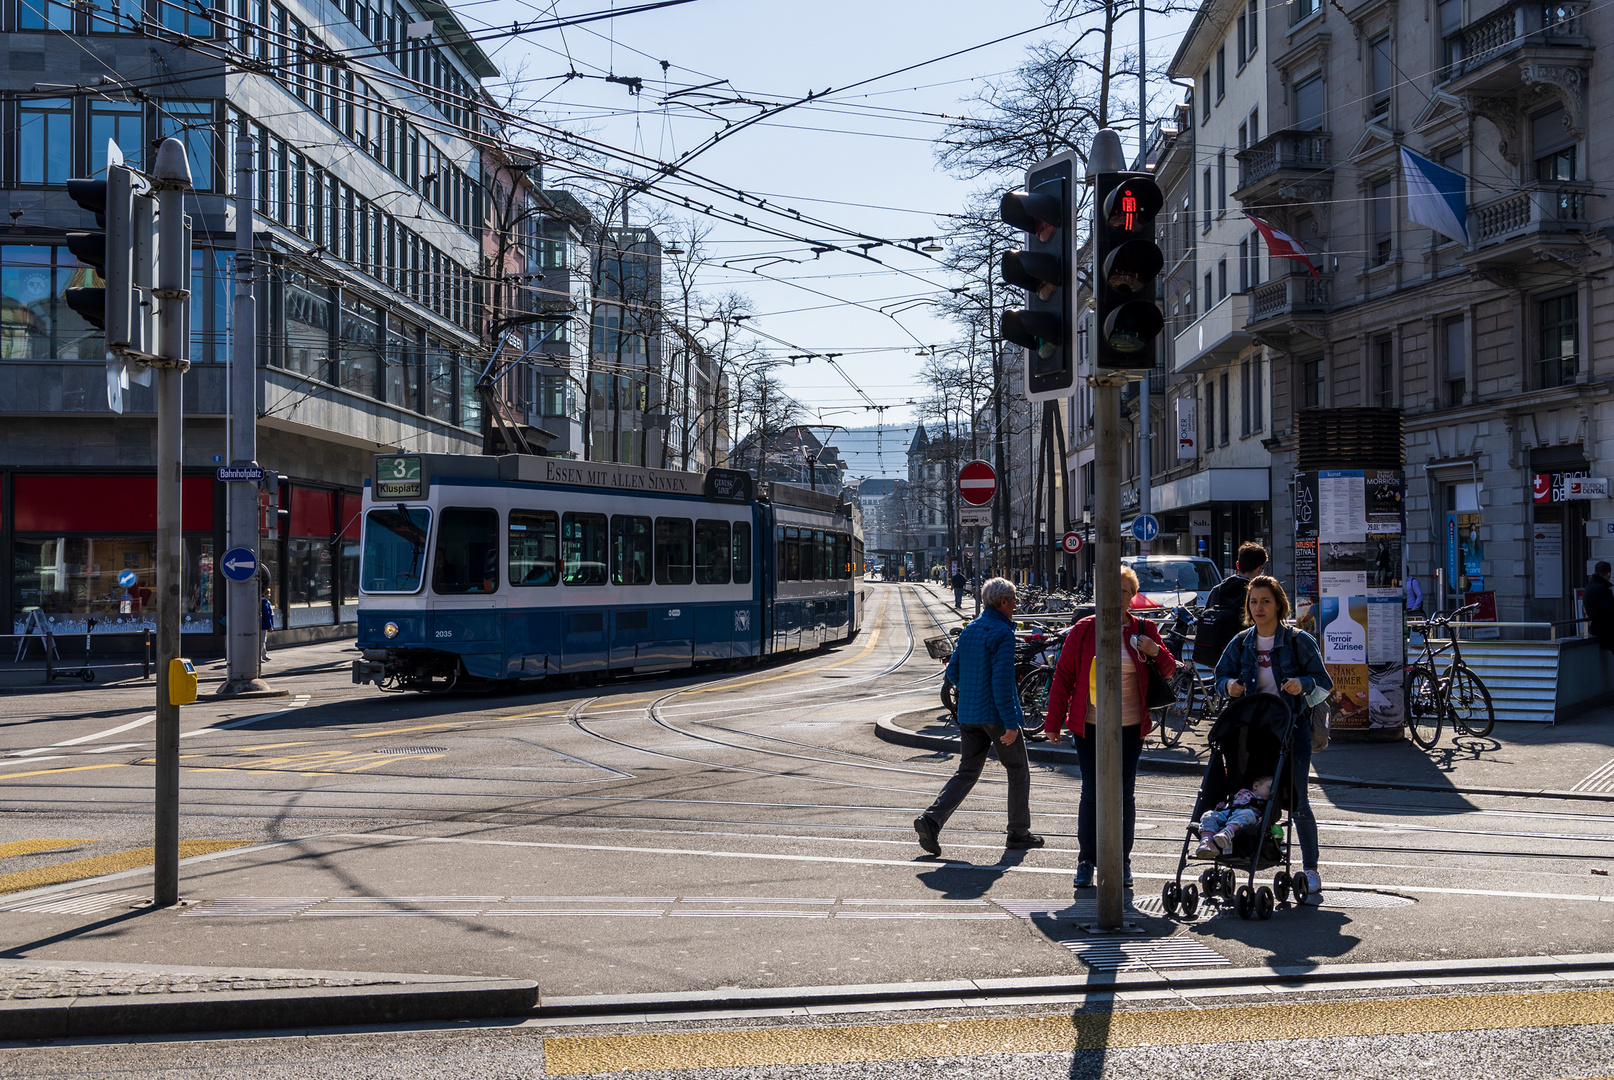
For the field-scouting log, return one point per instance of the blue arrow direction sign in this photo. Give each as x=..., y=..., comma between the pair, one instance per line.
x=1145, y=527
x=239, y=473
x=128, y=579
x=239, y=564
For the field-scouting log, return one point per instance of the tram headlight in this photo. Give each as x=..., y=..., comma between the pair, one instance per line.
x=390, y=630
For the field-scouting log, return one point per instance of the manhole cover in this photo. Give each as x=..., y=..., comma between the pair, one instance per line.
x=1350, y=899
x=414, y=750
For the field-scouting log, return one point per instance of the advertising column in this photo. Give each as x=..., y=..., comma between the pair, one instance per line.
x=1348, y=586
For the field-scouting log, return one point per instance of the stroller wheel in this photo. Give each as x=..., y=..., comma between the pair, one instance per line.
x=1229, y=883
x=1244, y=902
x=1301, y=887
x=1190, y=900
x=1208, y=880
x=1264, y=902
x=1170, y=897
x=1280, y=885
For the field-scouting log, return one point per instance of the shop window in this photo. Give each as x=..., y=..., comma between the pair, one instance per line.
x=349, y=507
x=308, y=593
x=675, y=551
x=742, y=553
x=712, y=552
x=632, y=549
x=534, y=547
x=69, y=585
x=467, y=557
x=584, y=549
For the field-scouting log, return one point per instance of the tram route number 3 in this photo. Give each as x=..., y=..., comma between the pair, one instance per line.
x=397, y=478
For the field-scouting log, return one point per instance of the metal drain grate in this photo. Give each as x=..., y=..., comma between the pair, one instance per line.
x=1341, y=898
x=1127, y=953
x=414, y=750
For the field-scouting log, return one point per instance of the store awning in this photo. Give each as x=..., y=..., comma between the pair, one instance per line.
x=1213, y=485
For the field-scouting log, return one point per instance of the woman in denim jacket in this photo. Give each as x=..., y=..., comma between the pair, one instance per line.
x=1271, y=658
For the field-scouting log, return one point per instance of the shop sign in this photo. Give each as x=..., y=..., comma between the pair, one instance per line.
x=1199, y=523
x=1553, y=487
x=1187, y=429
x=1586, y=487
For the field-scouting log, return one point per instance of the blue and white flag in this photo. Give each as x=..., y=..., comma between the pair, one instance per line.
x=1437, y=197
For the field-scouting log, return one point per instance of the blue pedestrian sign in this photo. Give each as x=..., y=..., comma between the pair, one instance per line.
x=1146, y=527
x=128, y=579
x=239, y=564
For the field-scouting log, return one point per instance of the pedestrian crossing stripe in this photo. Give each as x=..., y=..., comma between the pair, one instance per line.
x=1106, y=952
x=80, y=903
x=1600, y=780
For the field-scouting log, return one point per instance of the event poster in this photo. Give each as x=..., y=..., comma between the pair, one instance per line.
x=1341, y=506
x=1348, y=705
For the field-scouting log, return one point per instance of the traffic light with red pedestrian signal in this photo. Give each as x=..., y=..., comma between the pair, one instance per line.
x=1045, y=209
x=1127, y=262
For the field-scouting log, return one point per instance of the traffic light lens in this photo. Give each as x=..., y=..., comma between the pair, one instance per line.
x=1133, y=326
x=1132, y=267
x=1132, y=206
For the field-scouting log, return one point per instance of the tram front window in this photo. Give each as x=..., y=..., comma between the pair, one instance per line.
x=467, y=556
x=395, y=549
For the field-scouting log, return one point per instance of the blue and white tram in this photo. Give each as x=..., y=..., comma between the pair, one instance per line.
x=516, y=567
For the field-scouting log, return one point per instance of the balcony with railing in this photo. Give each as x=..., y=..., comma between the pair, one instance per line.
x=1485, y=54
x=1519, y=226
x=1276, y=302
x=1282, y=157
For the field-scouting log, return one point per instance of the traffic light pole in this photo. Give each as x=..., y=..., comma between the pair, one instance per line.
x=242, y=654
x=1108, y=791
x=172, y=180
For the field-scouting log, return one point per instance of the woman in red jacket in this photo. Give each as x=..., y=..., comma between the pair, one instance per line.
x=1071, y=697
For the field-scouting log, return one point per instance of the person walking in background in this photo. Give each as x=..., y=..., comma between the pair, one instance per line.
x=959, y=581
x=1271, y=658
x=1414, y=595
x=1599, y=605
x=982, y=667
x=266, y=620
x=1223, y=616
x=1071, y=697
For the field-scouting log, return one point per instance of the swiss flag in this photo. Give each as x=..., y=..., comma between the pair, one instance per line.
x=1281, y=245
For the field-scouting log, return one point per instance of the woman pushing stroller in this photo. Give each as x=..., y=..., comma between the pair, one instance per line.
x=1270, y=657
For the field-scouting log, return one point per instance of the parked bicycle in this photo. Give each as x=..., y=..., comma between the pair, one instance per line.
x=1459, y=694
x=1194, y=684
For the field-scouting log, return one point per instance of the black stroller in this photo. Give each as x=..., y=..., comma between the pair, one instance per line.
x=1252, y=738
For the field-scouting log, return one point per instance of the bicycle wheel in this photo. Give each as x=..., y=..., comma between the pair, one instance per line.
x=1034, y=697
x=1423, y=706
x=949, y=697
x=1469, y=702
x=1173, y=720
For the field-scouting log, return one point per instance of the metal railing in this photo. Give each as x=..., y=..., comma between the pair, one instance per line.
x=1284, y=150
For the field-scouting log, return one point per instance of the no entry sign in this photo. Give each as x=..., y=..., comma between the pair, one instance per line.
x=977, y=483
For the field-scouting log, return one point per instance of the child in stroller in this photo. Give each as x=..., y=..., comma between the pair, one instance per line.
x=1243, y=807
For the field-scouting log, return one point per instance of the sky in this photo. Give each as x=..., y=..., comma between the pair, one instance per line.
x=860, y=158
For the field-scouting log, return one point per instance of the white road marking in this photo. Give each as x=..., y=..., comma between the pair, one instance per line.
x=86, y=738
x=297, y=703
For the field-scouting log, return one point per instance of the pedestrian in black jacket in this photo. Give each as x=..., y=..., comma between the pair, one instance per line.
x=959, y=581
x=1599, y=603
x=1223, y=617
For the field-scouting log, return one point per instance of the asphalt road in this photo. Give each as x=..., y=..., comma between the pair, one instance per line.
x=737, y=829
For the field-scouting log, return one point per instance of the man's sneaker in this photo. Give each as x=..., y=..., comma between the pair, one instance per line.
x=1223, y=840
x=1127, y=879
x=1314, y=887
x=928, y=833
x=1022, y=841
x=1206, y=850
x=1084, y=875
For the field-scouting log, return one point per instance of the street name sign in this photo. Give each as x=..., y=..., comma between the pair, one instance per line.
x=235, y=474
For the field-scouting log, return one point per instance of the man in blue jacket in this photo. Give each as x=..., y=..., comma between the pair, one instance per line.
x=982, y=668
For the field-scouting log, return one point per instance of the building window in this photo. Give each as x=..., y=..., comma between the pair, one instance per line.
x=1210, y=413
x=191, y=18
x=1381, y=76
x=1254, y=19
x=1384, y=357
x=1221, y=279
x=45, y=141
x=35, y=321
x=1207, y=201
x=1380, y=210
x=1244, y=265
x=1302, y=9
x=1221, y=72
x=1560, y=337
x=1309, y=110
x=1255, y=125
x=1205, y=97
x=45, y=15
x=1221, y=182
x=1258, y=398
x=124, y=123
x=1311, y=382
x=1244, y=134
x=1245, y=414
x=1227, y=406
x=1555, y=149
x=1244, y=39
x=1210, y=296
x=1255, y=259
x=1456, y=344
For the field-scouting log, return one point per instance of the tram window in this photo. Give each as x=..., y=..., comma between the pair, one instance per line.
x=467, y=558
x=631, y=550
x=790, y=565
x=395, y=549
x=742, y=553
x=675, y=551
x=711, y=553
x=583, y=549
x=534, y=547
x=843, y=556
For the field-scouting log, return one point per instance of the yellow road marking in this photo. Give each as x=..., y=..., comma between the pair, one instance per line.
x=33, y=847
x=533, y=715
x=387, y=758
x=404, y=730
x=106, y=864
x=1064, y=1034
x=65, y=769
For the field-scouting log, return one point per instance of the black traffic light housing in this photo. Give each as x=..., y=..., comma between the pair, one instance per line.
x=109, y=250
x=1126, y=263
x=1045, y=209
